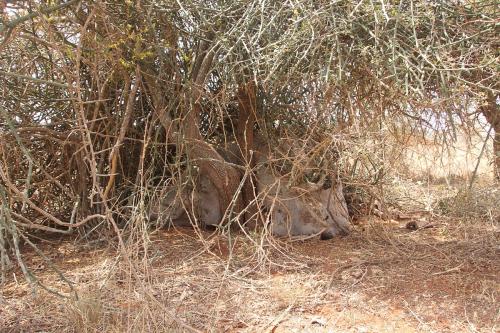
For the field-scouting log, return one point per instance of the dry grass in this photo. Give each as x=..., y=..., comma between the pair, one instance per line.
x=429, y=159
x=86, y=127
x=383, y=278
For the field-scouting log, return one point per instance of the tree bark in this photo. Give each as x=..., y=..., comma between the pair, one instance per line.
x=223, y=176
x=496, y=151
x=244, y=138
x=492, y=114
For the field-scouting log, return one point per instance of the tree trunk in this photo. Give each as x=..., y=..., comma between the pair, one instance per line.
x=223, y=176
x=492, y=114
x=496, y=152
x=244, y=138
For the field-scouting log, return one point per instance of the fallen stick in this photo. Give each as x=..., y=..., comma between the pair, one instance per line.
x=417, y=225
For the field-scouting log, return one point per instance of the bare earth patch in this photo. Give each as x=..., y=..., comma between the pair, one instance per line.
x=381, y=278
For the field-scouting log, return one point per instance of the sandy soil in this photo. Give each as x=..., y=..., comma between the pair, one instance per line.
x=381, y=278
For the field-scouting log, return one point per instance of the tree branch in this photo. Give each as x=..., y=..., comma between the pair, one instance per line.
x=47, y=10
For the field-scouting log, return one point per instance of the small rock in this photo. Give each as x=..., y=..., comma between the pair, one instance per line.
x=319, y=321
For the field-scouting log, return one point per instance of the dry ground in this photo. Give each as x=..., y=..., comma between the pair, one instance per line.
x=381, y=278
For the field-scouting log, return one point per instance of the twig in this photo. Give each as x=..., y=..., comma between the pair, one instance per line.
x=479, y=158
x=40, y=11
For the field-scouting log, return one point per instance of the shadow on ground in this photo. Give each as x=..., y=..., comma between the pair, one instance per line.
x=381, y=278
